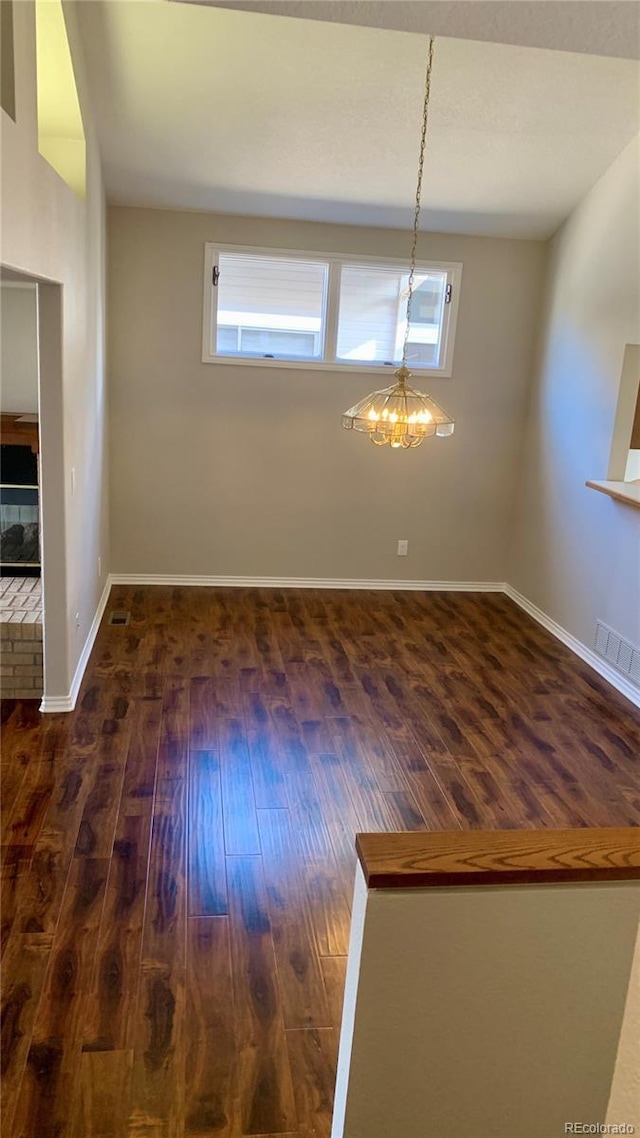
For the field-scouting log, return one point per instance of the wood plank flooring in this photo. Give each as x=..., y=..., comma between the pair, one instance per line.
x=178, y=853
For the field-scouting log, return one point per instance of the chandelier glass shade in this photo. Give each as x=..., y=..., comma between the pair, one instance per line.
x=398, y=416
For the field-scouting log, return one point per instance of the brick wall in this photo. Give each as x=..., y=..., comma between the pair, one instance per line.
x=21, y=661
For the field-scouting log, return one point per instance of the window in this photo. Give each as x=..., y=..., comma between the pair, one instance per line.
x=624, y=458
x=623, y=478
x=632, y=471
x=372, y=315
x=270, y=306
x=317, y=311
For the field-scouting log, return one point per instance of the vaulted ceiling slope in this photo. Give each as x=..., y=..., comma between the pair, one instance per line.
x=599, y=27
x=207, y=108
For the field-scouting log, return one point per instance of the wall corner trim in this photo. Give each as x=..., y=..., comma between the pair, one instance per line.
x=57, y=703
x=608, y=673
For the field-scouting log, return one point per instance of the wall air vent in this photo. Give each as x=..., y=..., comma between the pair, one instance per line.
x=119, y=616
x=618, y=652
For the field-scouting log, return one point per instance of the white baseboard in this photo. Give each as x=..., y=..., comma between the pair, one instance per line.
x=53, y=703
x=308, y=583
x=602, y=667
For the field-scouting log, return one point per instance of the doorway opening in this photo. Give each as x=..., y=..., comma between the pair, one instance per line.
x=33, y=645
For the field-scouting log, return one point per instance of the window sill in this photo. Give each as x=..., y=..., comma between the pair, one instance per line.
x=627, y=492
x=419, y=374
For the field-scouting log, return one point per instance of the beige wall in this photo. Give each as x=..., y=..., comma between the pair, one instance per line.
x=18, y=349
x=624, y=1101
x=50, y=233
x=576, y=553
x=240, y=471
x=487, y=1012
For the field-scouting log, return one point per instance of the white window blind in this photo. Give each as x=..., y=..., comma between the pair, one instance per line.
x=270, y=306
x=326, y=311
x=373, y=312
x=369, y=313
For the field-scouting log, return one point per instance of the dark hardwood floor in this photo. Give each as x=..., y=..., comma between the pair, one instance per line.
x=178, y=853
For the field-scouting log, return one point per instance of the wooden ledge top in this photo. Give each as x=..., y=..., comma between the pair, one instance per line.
x=498, y=857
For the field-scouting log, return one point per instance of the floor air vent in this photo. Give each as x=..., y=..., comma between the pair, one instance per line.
x=618, y=652
x=119, y=616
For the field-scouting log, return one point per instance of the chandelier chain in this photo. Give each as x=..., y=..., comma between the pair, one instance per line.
x=416, y=214
x=399, y=416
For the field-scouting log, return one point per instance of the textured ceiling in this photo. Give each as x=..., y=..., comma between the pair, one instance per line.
x=599, y=27
x=206, y=108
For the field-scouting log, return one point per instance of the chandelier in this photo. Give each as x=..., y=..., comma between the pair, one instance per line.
x=400, y=416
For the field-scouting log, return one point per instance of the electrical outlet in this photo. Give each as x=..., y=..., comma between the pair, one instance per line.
x=77, y=621
x=403, y=548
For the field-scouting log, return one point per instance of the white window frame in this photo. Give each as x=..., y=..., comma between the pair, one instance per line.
x=335, y=261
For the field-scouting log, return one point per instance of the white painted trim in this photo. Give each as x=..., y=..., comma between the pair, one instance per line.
x=602, y=667
x=308, y=583
x=350, y=1001
x=53, y=703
